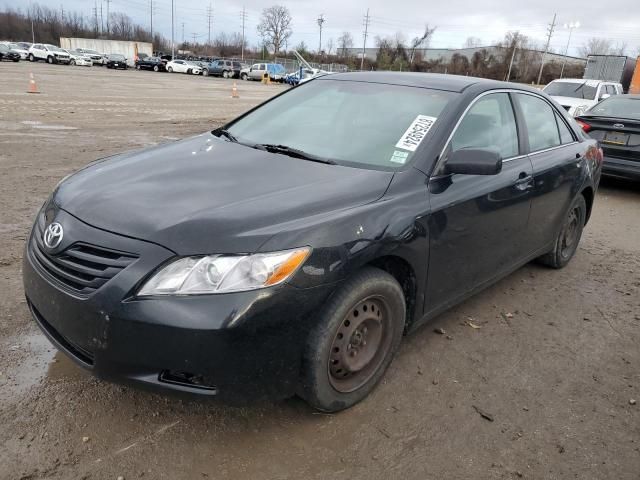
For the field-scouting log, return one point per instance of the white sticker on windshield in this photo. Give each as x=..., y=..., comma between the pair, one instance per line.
x=399, y=157
x=416, y=133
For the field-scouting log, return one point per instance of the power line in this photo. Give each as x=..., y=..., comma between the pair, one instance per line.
x=546, y=49
x=367, y=21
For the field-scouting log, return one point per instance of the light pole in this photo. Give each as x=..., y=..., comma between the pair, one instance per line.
x=570, y=26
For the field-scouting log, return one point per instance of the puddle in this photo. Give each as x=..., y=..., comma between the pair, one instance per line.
x=30, y=359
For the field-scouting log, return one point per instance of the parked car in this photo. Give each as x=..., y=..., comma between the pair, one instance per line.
x=18, y=48
x=49, y=53
x=257, y=71
x=8, y=54
x=96, y=57
x=79, y=58
x=289, y=250
x=223, y=68
x=116, y=60
x=151, y=63
x=577, y=95
x=183, y=66
x=615, y=123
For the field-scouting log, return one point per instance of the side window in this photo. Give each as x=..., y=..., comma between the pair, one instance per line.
x=541, y=124
x=263, y=66
x=611, y=90
x=256, y=67
x=491, y=124
x=565, y=134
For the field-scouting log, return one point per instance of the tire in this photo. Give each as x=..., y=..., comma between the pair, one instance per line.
x=368, y=307
x=244, y=76
x=50, y=60
x=170, y=69
x=225, y=74
x=155, y=68
x=16, y=60
x=31, y=57
x=137, y=67
x=566, y=243
x=205, y=72
x=72, y=62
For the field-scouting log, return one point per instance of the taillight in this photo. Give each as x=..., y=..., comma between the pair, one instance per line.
x=584, y=126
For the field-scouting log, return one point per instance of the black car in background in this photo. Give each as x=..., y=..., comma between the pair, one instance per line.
x=7, y=54
x=151, y=63
x=116, y=60
x=289, y=251
x=615, y=123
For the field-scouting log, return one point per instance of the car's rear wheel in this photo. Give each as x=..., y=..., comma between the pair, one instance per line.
x=156, y=68
x=568, y=238
x=354, y=341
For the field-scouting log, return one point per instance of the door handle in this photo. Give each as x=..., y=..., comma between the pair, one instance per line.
x=524, y=182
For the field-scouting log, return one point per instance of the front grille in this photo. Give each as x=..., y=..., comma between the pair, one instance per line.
x=82, y=354
x=82, y=268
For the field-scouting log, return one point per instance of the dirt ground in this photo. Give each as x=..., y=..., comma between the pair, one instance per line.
x=554, y=366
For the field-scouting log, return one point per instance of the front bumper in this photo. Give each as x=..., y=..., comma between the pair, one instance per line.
x=618, y=167
x=239, y=347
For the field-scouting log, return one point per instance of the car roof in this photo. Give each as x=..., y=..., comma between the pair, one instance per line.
x=436, y=81
x=588, y=81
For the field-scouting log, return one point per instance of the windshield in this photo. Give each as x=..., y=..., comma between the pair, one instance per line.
x=618, y=107
x=116, y=57
x=354, y=123
x=92, y=52
x=53, y=48
x=571, y=89
x=15, y=46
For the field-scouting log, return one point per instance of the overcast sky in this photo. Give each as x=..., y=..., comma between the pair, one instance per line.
x=489, y=20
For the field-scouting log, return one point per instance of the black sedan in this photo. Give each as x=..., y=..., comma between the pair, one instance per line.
x=615, y=123
x=150, y=63
x=289, y=251
x=115, y=60
x=7, y=54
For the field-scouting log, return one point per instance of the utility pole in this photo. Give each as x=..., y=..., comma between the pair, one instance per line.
x=321, y=21
x=108, y=30
x=570, y=26
x=95, y=12
x=209, y=17
x=513, y=56
x=101, y=19
x=244, y=19
x=173, y=23
x=194, y=35
x=151, y=12
x=62, y=11
x=546, y=48
x=182, y=32
x=366, y=32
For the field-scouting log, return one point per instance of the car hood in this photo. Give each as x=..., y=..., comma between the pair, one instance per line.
x=207, y=195
x=573, y=102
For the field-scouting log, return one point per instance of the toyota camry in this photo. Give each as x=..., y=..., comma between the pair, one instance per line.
x=290, y=250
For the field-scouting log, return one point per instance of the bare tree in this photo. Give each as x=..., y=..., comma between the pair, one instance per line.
x=595, y=46
x=421, y=42
x=472, y=42
x=619, y=49
x=275, y=26
x=330, y=46
x=345, y=41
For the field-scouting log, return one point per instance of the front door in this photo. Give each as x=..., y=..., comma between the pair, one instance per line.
x=478, y=224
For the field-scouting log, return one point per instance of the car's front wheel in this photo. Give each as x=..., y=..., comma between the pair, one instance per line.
x=72, y=62
x=225, y=74
x=356, y=336
x=50, y=60
x=567, y=241
x=32, y=58
x=156, y=68
x=244, y=76
x=170, y=70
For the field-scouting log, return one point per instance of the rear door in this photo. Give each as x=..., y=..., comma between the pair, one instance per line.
x=557, y=161
x=478, y=224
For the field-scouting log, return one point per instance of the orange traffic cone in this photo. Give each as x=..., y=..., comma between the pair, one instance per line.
x=234, y=91
x=33, y=88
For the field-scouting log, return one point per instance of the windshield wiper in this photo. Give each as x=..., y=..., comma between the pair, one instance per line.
x=228, y=134
x=293, y=152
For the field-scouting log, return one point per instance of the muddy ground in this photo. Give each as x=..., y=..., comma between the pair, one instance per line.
x=555, y=363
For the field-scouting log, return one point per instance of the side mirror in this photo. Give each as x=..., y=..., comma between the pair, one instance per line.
x=474, y=161
x=604, y=96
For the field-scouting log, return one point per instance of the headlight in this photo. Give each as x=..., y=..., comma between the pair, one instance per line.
x=224, y=273
x=580, y=110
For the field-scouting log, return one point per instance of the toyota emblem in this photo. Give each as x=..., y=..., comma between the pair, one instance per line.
x=618, y=125
x=53, y=235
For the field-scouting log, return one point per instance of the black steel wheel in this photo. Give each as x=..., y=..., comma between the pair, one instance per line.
x=353, y=342
x=568, y=238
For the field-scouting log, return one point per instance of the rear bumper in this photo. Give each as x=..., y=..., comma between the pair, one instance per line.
x=238, y=347
x=618, y=167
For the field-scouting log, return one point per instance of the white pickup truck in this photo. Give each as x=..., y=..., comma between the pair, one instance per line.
x=578, y=95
